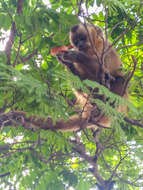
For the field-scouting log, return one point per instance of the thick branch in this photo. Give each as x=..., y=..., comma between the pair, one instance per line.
x=81, y=151
x=75, y=123
x=18, y=118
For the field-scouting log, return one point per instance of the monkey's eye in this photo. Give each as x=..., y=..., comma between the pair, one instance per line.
x=79, y=40
x=75, y=41
x=82, y=38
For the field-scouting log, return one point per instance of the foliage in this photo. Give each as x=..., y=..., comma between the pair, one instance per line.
x=31, y=80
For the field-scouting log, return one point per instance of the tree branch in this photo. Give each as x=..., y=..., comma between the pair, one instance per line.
x=129, y=77
x=19, y=6
x=5, y=174
x=126, y=46
x=29, y=56
x=18, y=51
x=133, y=122
x=13, y=32
x=80, y=149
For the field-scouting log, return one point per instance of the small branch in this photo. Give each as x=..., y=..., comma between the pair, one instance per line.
x=53, y=156
x=133, y=122
x=41, y=157
x=120, y=36
x=29, y=56
x=99, y=125
x=114, y=27
x=93, y=20
x=5, y=174
x=129, y=77
x=19, y=6
x=80, y=149
x=79, y=7
x=136, y=44
x=106, y=27
x=22, y=42
x=117, y=166
x=139, y=9
x=35, y=52
x=18, y=51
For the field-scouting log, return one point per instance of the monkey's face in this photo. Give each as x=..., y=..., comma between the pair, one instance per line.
x=83, y=37
x=80, y=42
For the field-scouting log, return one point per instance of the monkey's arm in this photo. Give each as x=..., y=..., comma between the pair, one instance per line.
x=80, y=64
x=67, y=63
x=75, y=56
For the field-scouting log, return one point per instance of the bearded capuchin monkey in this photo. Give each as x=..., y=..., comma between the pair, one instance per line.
x=92, y=53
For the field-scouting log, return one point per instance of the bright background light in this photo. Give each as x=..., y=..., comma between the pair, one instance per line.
x=3, y=39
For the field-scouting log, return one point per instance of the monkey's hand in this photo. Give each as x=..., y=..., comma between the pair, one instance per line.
x=67, y=61
x=61, y=59
x=108, y=78
x=73, y=56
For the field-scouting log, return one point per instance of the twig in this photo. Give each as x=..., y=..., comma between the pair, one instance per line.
x=133, y=122
x=114, y=27
x=119, y=37
x=19, y=6
x=106, y=26
x=80, y=149
x=18, y=51
x=126, y=46
x=29, y=56
x=129, y=77
x=5, y=174
x=26, y=39
x=117, y=166
x=79, y=7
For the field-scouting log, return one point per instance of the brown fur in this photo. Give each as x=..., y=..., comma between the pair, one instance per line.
x=95, y=43
x=85, y=61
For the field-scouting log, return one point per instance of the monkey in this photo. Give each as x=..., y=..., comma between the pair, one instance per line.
x=88, y=43
x=90, y=40
x=92, y=56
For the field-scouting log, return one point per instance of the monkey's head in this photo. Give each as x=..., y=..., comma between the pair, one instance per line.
x=86, y=37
